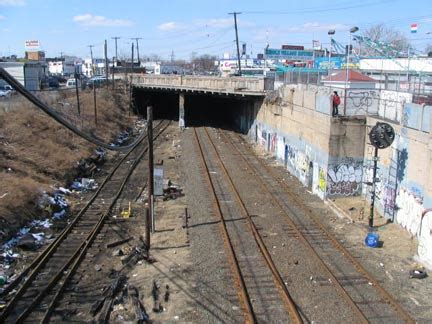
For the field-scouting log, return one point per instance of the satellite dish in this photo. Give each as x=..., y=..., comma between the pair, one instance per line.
x=382, y=135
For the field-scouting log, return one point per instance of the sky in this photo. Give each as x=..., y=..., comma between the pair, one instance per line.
x=183, y=28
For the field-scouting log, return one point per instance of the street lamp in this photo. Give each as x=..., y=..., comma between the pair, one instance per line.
x=331, y=32
x=352, y=31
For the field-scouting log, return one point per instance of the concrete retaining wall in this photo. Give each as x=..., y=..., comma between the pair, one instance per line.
x=322, y=152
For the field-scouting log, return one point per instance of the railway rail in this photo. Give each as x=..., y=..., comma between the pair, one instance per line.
x=234, y=238
x=312, y=233
x=35, y=292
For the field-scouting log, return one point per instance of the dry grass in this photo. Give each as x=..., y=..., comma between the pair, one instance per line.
x=36, y=152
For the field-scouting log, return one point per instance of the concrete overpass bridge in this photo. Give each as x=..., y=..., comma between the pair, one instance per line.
x=204, y=98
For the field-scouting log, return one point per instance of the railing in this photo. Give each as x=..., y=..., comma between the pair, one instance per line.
x=236, y=84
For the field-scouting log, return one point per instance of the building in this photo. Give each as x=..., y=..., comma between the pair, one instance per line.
x=349, y=79
x=62, y=66
x=35, y=56
x=29, y=74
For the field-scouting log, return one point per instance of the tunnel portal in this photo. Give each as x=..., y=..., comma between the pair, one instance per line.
x=199, y=109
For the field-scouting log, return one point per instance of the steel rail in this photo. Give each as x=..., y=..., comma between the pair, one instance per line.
x=54, y=244
x=238, y=277
x=50, y=250
x=289, y=302
x=386, y=295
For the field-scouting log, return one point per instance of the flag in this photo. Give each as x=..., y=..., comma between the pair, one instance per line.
x=413, y=28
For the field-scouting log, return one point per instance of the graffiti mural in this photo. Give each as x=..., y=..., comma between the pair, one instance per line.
x=362, y=102
x=345, y=178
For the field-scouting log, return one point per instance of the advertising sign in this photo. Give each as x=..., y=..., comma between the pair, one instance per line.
x=32, y=45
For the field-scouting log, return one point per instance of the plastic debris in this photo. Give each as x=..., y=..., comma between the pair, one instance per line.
x=372, y=240
x=417, y=274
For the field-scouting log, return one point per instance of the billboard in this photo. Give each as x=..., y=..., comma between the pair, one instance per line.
x=32, y=45
x=281, y=54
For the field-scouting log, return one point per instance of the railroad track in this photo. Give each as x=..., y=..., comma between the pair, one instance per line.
x=34, y=294
x=258, y=283
x=367, y=298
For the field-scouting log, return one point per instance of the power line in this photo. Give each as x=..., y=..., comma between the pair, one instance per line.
x=327, y=8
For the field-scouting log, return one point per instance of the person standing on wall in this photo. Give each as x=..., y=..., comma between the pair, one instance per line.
x=336, y=102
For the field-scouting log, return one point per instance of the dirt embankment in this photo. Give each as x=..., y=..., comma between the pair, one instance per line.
x=37, y=153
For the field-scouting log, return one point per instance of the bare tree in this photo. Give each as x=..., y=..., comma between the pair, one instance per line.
x=428, y=50
x=388, y=37
x=204, y=62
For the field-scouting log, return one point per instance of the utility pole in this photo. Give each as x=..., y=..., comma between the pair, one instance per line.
x=94, y=102
x=132, y=56
x=61, y=55
x=237, y=40
x=137, y=47
x=150, y=163
x=77, y=91
x=91, y=56
x=106, y=60
x=115, y=40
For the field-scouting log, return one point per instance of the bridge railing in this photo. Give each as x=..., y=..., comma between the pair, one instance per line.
x=231, y=84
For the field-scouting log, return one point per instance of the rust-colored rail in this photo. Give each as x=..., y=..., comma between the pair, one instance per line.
x=387, y=297
x=238, y=277
x=289, y=302
x=279, y=283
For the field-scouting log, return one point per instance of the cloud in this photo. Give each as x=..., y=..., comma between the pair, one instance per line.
x=2, y=17
x=14, y=3
x=222, y=23
x=92, y=20
x=170, y=26
x=316, y=27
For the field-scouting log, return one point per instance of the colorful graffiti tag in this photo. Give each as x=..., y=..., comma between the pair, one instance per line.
x=345, y=178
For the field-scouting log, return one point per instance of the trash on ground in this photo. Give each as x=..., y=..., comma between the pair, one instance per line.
x=418, y=274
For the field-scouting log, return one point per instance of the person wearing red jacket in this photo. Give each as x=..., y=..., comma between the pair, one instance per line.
x=336, y=102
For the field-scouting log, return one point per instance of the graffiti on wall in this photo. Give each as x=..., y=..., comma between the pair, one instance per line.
x=345, y=178
x=425, y=239
x=409, y=210
x=360, y=102
x=391, y=103
x=322, y=182
x=298, y=162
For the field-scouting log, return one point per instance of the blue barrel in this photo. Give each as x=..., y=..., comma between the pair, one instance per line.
x=372, y=240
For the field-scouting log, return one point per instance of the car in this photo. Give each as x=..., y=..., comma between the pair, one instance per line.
x=5, y=93
x=70, y=83
x=97, y=81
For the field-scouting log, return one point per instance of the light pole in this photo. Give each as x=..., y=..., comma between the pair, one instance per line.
x=351, y=31
x=331, y=32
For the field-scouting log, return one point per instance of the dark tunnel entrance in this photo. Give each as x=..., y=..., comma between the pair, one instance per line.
x=200, y=109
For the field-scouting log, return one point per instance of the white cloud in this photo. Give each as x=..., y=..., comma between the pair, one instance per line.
x=92, y=20
x=222, y=23
x=12, y=3
x=170, y=26
x=316, y=26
